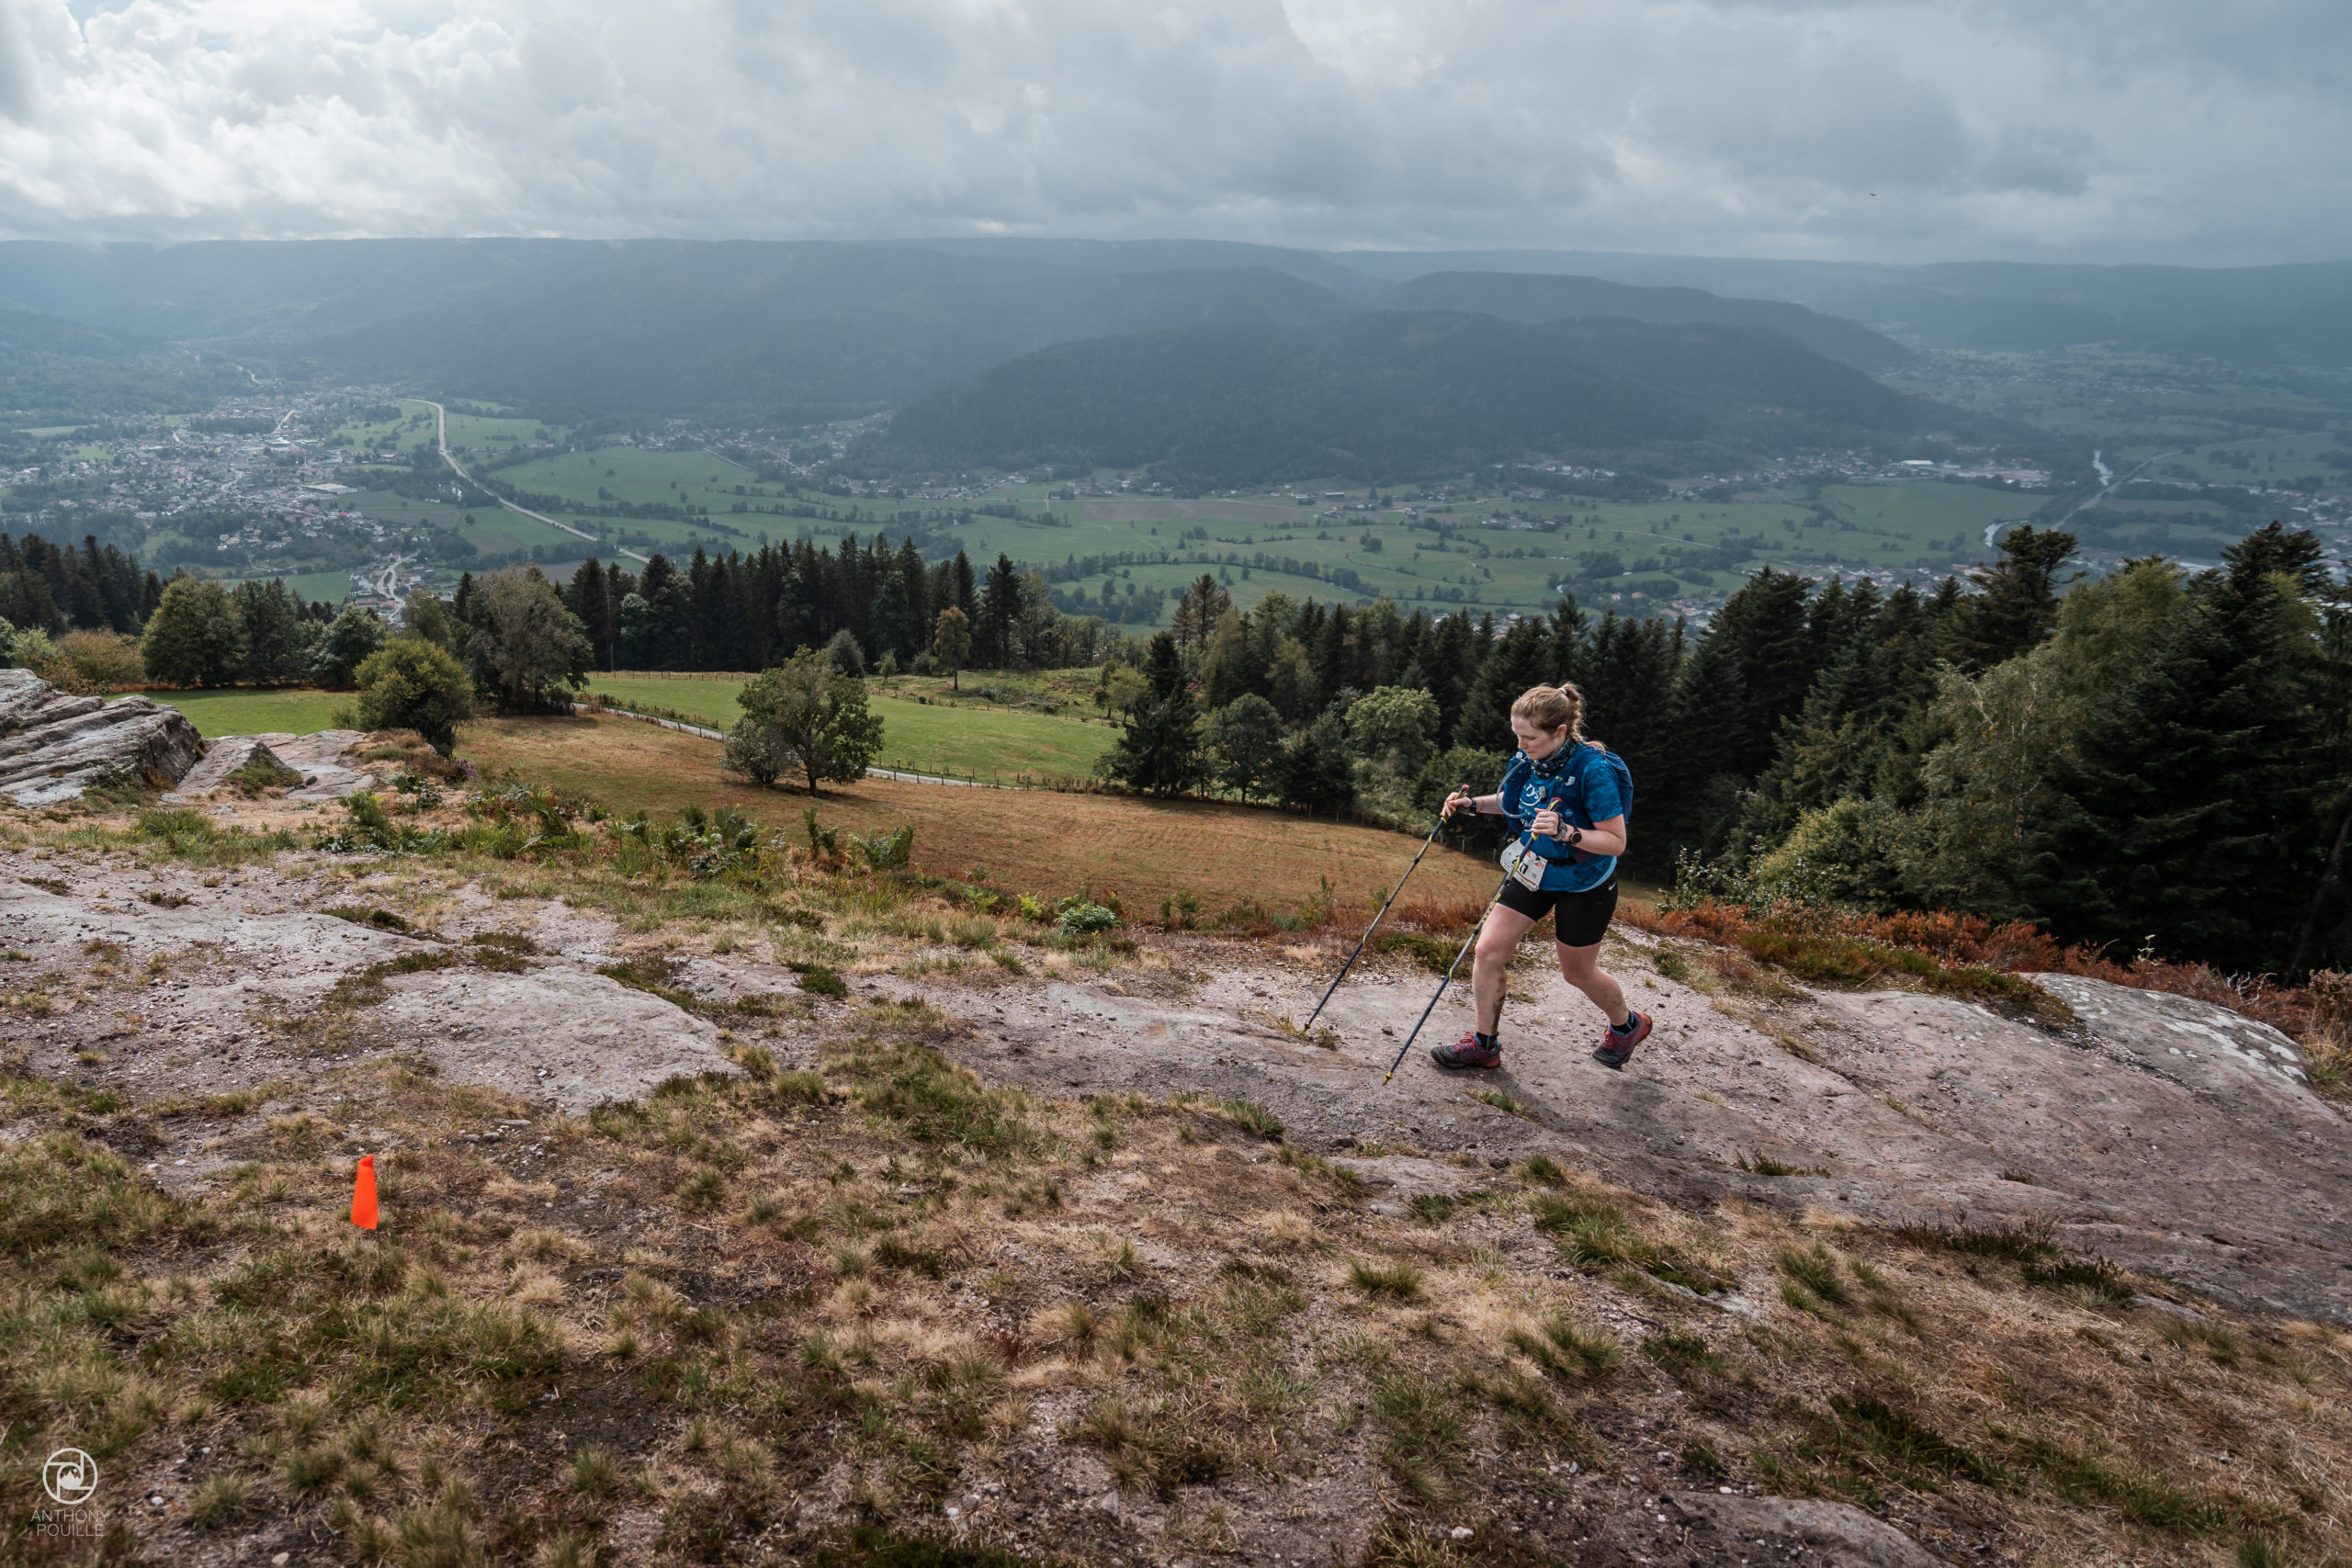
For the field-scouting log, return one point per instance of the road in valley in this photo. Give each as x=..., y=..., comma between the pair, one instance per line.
x=441, y=438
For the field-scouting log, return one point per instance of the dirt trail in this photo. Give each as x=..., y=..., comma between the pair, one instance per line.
x=2173, y=1136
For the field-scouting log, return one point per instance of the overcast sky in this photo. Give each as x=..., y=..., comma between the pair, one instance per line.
x=2173, y=131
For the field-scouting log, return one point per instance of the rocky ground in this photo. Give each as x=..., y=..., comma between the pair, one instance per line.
x=1792, y=1249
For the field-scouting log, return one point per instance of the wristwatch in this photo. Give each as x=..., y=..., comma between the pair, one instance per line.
x=1575, y=835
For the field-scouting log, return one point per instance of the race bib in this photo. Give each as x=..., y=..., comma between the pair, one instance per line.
x=1524, y=866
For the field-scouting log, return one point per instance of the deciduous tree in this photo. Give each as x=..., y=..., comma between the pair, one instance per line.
x=806, y=709
x=192, y=640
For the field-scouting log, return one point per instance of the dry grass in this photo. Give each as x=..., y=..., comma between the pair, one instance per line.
x=1053, y=844
x=793, y=1302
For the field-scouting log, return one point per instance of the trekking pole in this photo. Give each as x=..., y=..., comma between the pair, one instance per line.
x=1441, y=984
x=1343, y=974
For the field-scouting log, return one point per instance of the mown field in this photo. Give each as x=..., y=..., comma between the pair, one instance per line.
x=238, y=710
x=1031, y=840
x=942, y=732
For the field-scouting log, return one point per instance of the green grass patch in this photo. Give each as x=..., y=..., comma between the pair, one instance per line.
x=250, y=710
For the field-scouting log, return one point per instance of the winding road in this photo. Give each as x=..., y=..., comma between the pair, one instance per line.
x=441, y=438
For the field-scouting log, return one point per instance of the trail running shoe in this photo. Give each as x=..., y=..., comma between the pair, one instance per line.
x=1466, y=1051
x=1616, y=1047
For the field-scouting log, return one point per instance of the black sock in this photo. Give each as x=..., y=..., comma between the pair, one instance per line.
x=1627, y=1027
x=1488, y=1042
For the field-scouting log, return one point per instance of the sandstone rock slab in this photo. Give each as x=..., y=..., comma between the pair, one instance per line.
x=324, y=759
x=553, y=1035
x=54, y=746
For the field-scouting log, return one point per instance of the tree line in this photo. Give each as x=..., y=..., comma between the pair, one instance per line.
x=738, y=611
x=2156, y=760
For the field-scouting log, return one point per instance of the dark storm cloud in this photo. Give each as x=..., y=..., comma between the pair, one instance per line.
x=2093, y=128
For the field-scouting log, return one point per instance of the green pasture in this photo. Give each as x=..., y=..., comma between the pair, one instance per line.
x=411, y=428
x=331, y=586
x=635, y=475
x=925, y=727
x=485, y=432
x=239, y=710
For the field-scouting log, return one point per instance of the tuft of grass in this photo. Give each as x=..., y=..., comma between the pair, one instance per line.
x=932, y=1100
x=380, y=920
x=1503, y=1101
x=1682, y=1353
x=2222, y=1346
x=705, y=1187
x=2140, y=1495
x=1562, y=1345
x=799, y=1088
x=1397, y=1281
x=1434, y=1208
x=1542, y=1170
x=1250, y=1116
x=2093, y=1280
x=220, y=1499
x=2013, y=1244
x=1591, y=1234
x=1817, y=1272
x=595, y=1472
x=1894, y=1437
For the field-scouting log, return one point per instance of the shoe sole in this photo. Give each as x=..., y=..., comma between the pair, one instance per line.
x=1468, y=1067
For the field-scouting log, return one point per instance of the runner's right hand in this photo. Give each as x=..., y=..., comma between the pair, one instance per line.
x=1455, y=802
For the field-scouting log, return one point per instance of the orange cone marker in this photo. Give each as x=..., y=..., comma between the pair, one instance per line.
x=363, y=1194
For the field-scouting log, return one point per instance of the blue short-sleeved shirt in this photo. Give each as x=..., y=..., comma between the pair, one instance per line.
x=1585, y=788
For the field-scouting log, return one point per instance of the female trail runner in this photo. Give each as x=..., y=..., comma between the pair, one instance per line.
x=1567, y=797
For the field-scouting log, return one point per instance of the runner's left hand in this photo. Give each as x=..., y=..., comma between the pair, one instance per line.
x=1547, y=824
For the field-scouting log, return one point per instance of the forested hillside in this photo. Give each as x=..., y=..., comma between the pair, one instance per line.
x=1533, y=296
x=1400, y=394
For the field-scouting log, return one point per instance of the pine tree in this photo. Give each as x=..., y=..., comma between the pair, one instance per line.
x=1521, y=659
x=2206, y=788
x=1000, y=611
x=271, y=633
x=1318, y=773
x=2018, y=601
x=1160, y=749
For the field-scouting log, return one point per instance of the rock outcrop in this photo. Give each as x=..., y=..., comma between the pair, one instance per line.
x=323, y=759
x=53, y=745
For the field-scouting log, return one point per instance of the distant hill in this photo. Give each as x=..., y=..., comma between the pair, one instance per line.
x=1400, y=394
x=2318, y=335
x=785, y=331
x=1944, y=305
x=58, y=369
x=1525, y=296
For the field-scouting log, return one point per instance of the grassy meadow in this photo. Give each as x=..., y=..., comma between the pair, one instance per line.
x=926, y=727
x=244, y=710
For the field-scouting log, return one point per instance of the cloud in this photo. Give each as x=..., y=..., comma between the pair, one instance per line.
x=1898, y=128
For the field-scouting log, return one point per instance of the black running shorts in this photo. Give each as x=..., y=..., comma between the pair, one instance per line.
x=1578, y=919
